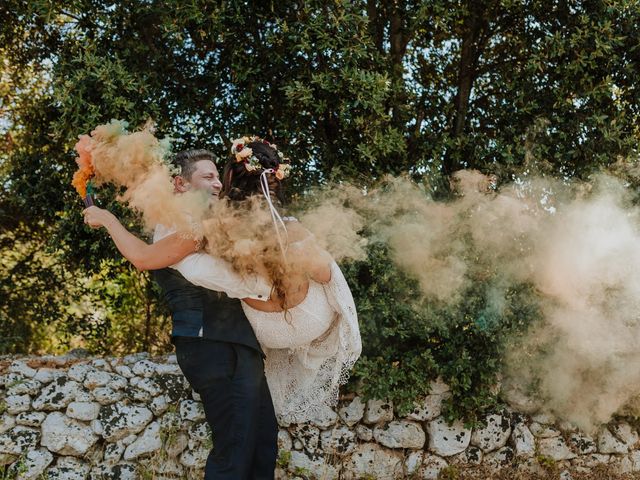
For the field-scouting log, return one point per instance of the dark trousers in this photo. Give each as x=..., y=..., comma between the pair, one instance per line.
x=230, y=380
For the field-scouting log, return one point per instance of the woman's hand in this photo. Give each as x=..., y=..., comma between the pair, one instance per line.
x=97, y=217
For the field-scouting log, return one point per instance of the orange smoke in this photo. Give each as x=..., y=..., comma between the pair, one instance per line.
x=85, y=165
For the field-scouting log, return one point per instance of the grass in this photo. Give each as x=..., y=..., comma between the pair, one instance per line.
x=284, y=458
x=13, y=471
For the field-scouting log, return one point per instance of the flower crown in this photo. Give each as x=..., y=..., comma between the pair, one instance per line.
x=244, y=154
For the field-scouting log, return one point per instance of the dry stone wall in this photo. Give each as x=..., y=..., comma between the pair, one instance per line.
x=134, y=417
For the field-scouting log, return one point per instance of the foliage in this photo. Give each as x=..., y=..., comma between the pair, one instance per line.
x=46, y=306
x=349, y=89
x=284, y=458
x=450, y=472
x=409, y=341
x=15, y=470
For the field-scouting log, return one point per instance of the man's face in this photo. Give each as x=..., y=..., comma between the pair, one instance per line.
x=205, y=177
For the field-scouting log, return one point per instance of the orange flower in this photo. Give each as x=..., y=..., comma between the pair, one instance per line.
x=283, y=171
x=85, y=165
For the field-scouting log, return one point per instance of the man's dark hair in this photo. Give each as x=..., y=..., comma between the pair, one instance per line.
x=186, y=161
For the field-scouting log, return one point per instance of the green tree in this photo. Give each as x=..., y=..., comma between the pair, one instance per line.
x=349, y=89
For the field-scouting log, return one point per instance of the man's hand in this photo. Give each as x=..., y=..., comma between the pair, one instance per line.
x=97, y=217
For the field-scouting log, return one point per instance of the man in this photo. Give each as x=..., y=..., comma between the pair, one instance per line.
x=215, y=345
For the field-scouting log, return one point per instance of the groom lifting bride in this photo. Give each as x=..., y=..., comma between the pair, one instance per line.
x=296, y=311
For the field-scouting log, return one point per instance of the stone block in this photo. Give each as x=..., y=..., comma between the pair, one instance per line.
x=428, y=408
x=21, y=368
x=352, y=412
x=176, y=444
x=582, y=444
x=159, y=405
x=34, y=464
x=400, y=434
x=370, y=459
x=146, y=443
x=107, y=396
x=423, y=465
x=524, y=442
x=308, y=435
x=30, y=419
x=378, y=411
x=446, y=440
x=78, y=371
x=540, y=430
x=192, y=411
x=364, y=433
x=57, y=395
x=28, y=386
x=7, y=422
x=19, y=440
x=174, y=387
x=113, y=453
x=85, y=411
x=608, y=443
x=338, y=441
x=119, y=421
x=149, y=386
x=493, y=435
x=626, y=434
x=66, y=436
x=17, y=404
x=96, y=378
x=124, y=371
x=199, y=432
x=324, y=418
x=145, y=368
x=196, y=458
x=555, y=448
x=500, y=458
x=471, y=456
x=285, y=443
x=316, y=465
x=8, y=379
x=121, y=471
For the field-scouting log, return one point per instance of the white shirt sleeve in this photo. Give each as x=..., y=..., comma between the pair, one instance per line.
x=217, y=274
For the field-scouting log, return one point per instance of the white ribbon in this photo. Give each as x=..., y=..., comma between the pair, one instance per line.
x=275, y=216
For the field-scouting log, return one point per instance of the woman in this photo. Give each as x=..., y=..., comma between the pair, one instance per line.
x=308, y=327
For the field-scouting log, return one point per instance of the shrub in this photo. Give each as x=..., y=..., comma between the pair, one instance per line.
x=409, y=340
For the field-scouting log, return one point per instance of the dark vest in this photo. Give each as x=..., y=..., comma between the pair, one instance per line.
x=194, y=308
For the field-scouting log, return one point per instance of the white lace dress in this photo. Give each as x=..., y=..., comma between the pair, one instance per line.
x=310, y=355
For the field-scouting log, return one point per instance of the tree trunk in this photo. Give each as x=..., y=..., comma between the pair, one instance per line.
x=476, y=27
x=376, y=27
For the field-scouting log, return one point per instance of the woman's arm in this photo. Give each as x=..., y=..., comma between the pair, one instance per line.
x=217, y=274
x=144, y=256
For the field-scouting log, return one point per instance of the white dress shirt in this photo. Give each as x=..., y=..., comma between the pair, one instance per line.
x=216, y=274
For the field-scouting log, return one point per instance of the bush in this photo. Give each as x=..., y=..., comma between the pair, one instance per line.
x=409, y=340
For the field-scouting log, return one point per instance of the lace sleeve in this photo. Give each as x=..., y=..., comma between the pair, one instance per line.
x=340, y=297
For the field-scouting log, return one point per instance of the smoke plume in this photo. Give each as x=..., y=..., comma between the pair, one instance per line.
x=576, y=246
